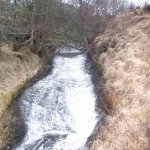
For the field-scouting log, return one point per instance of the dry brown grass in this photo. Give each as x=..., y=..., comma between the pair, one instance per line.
x=15, y=69
x=127, y=71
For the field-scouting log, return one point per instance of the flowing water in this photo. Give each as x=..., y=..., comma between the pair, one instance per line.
x=59, y=110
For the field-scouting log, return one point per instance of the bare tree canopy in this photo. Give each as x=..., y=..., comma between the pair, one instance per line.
x=78, y=21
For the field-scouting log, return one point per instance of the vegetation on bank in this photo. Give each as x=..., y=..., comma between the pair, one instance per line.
x=123, y=52
x=16, y=68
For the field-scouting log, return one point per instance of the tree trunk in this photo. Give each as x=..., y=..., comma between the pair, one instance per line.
x=32, y=25
x=15, y=2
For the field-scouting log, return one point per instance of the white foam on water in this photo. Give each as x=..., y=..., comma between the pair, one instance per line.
x=63, y=103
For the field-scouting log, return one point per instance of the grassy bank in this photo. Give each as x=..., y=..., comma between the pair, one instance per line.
x=16, y=68
x=123, y=52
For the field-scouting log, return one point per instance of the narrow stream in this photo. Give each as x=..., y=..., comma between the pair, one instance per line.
x=59, y=110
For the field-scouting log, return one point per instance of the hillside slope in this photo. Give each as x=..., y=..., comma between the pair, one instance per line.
x=123, y=52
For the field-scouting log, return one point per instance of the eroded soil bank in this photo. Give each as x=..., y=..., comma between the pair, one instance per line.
x=123, y=52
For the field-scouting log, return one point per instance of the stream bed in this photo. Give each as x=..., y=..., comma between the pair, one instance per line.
x=59, y=110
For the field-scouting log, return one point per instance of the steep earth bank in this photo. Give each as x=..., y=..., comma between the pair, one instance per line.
x=16, y=69
x=123, y=52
